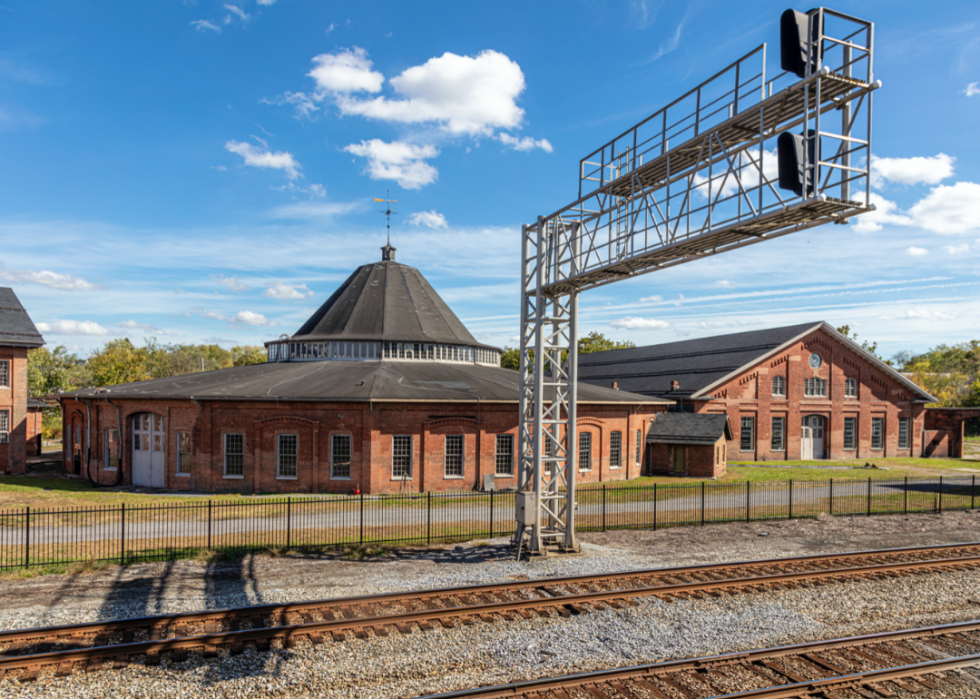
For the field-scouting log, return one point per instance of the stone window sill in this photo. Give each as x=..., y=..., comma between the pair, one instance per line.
x=340, y=478
x=179, y=475
x=453, y=478
x=286, y=478
x=234, y=478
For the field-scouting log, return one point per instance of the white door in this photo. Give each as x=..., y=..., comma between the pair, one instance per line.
x=815, y=423
x=806, y=446
x=148, y=454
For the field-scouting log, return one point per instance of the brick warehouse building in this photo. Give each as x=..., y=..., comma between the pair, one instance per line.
x=19, y=421
x=803, y=391
x=383, y=389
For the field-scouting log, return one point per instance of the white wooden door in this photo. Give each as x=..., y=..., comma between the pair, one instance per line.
x=148, y=450
x=806, y=446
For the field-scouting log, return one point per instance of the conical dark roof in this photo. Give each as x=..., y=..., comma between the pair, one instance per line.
x=390, y=302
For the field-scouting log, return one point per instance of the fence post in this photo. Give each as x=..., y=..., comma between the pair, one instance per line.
x=702, y=503
x=654, y=506
x=906, y=494
x=362, y=519
x=869, y=496
x=27, y=541
x=940, y=495
x=289, y=520
x=122, y=538
x=748, y=501
x=831, y=497
x=973, y=494
x=209, y=524
x=491, y=513
x=428, y=517
x=603, y=507
x=790, y=516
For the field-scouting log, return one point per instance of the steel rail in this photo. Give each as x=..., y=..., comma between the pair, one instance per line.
x=566, y=605
x=164, y=620
x=668, y=667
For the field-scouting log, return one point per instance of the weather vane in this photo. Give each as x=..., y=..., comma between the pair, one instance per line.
x=387, y=211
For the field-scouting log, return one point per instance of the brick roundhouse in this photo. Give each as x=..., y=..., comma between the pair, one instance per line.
x=797, y=392
x=383, y=389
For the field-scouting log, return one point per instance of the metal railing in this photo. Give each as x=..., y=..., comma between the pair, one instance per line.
x=33, y=537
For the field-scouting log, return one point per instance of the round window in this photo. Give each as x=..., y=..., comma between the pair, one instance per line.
x=815, y=360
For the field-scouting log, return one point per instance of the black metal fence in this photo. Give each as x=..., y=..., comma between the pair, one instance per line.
x=44, y=537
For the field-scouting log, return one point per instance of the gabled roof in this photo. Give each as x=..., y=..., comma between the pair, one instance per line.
x=357, y=381
x=16, y=327
x=689, y=428
x=701, y=365
x=390, y=302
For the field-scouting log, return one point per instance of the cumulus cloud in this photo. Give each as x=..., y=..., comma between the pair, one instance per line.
x=202, y=25
x=635, y=323
x=429, y=219
x=286, y=292
x=916, y=252
x=949, y=209
x=263, y=157
x=399, y=161
x=917, y=170
x=524, y=144
x=240, y=319
x=886, y=212
x=972, y=89
x=72, y=327
x=133, y=325
x=746, y=165
x=461, y=94
x=233, y=283
x=52, y=280
x=957, y=249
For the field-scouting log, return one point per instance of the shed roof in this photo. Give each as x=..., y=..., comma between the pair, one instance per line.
x=355, y=381
x=689, y=428
x=16, y=327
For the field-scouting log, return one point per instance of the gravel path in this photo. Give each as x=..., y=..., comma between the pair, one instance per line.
x=447, y=659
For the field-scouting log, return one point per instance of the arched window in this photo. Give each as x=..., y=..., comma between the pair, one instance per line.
x=778, y=386
x=850, y=388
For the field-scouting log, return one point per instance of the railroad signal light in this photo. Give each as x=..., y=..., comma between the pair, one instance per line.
x=793, y=172
x=799, y=34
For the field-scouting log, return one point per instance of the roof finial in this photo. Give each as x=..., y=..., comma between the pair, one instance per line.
x=387, y=252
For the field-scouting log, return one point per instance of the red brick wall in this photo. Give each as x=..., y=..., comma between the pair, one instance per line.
x=33, y=431
x=750, y=395
x=701, y=461
x=13, y=454
x=945, y=430
x=371, y=428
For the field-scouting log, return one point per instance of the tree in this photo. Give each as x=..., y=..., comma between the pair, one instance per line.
x=120, y=362
x=593, y=342
x=53, y=371
x=511, y=358
x=246, y=355
x=949, y=372
x=871, y=347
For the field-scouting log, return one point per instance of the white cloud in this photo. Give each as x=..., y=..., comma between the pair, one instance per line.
x=634, y=323
x=724, y=284
x=916, y=252
x=133, y=325
x=310, y=210
x=285, y=292
x=202, y=25
x=256, y=157
x=656, y=298
x=429, y=219
x=330, y=28
x=462, y=94
x=886, y=212
x=917, y=170
x=233, y=283
x=399, y=161
x=72, y=327
x=921, y=314
x=667, y=46
x=524, y=144
x=266, y=3
x=303, y=103
x=746, y=165
x=53, y=280
x=238, y=12
x=949, y=209
x=972, y=89
x=242, y=318
x=957, y=249
x=344, y=72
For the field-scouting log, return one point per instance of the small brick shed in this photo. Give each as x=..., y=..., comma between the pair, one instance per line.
x=688, y=444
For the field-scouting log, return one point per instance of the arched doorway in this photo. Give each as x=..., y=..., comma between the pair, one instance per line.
x=75, y=440
x=148, y=450
x=812, y=446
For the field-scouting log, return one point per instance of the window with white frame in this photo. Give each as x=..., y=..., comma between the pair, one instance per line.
x=549, y=450
x=340, y=453
x=401, y=457
x=454, y=456
x=111, y=450
x=747, y=434
x=234, y=455
x=850, y=388
x=505, y=455
x=4, y=426
x=815, y=387
x=904, y=433
x=877, y=433
x=850, y=433
x=4, y=373
x=779, y=434
x=287, y=451
x=183, y=453
x=615, y=449
x=585, y=451
x=779, y=386
x=639, y=438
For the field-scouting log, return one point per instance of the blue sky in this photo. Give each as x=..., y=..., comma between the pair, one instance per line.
x=205, y=171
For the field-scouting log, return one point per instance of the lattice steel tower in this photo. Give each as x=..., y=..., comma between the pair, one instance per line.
x=692, y=180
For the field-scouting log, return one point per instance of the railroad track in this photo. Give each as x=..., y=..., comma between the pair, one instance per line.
x=878, y=665
x=115, y=643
